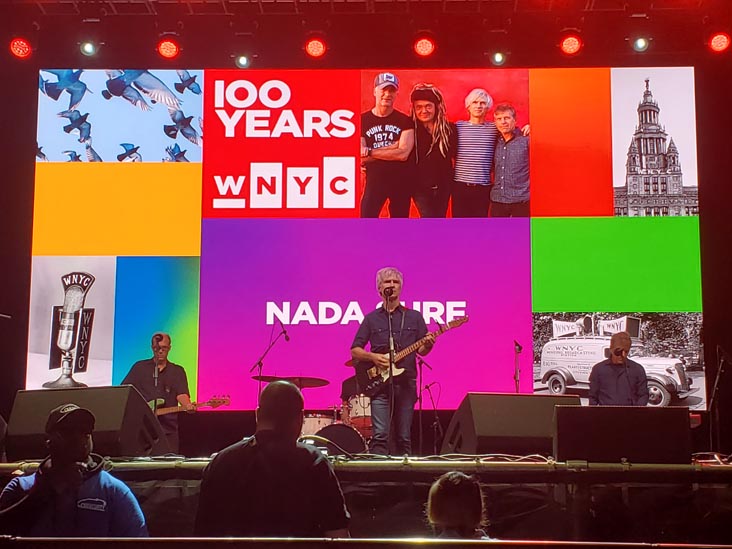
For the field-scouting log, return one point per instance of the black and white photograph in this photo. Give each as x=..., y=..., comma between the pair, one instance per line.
x=667, y=345
x=654, y=142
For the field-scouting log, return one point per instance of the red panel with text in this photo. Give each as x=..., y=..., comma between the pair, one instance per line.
x=281, y=144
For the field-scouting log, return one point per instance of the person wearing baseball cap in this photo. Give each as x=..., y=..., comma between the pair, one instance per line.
x=387, y=141
x=70, y=495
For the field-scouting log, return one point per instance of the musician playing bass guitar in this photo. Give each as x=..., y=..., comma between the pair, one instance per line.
x=372, y=366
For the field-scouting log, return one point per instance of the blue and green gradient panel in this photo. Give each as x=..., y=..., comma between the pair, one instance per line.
x=616, y=264
x=156, y=294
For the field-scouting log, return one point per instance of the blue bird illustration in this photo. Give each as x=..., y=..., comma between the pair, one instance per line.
x=130, y=154
x=73, y=156
x=183, y=125
x=77, y=122
x=68, y=81
x=187, y=82
x=149, y=85
x=175, y=154
x=117, y=87
x=40, y=155
x=91, y=154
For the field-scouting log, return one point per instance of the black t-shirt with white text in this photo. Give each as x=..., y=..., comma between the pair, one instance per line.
x=382, y=131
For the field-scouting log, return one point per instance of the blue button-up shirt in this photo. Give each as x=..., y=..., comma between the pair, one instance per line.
x=511, y=170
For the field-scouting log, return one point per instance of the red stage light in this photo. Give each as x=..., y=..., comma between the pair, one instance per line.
x=571, y=44
x=315, y=47
x=424, y=46
x=21, y=48
x=719, y=42
x=168, y=48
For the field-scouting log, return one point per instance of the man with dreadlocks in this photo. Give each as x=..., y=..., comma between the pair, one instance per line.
x=435, y=147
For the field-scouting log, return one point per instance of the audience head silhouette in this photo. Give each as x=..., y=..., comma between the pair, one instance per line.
x=455, y=506
x=281, y=409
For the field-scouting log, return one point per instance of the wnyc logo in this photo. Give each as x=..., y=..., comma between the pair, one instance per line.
x=281, y=144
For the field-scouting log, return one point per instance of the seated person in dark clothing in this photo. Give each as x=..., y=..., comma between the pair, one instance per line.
x=270, y=485
x=70, y=495
x=618, y=381
x=455, y=507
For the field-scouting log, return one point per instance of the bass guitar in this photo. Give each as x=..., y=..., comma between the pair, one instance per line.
x=371, y=378
x=211, y=403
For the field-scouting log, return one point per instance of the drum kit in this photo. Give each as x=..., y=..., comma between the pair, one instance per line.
x=347, y=427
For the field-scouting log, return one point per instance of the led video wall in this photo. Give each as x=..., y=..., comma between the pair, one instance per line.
x=222, y=206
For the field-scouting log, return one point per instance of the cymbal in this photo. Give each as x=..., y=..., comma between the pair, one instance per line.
x=303, y=382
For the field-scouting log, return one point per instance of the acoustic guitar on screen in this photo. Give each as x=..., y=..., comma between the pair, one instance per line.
x=214, y=402
x=371, y=377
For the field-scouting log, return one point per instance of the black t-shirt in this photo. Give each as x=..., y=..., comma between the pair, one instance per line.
x=172, y=381
x=375, y=330
x=382, y=131
x=264, y=486
x=433, y=169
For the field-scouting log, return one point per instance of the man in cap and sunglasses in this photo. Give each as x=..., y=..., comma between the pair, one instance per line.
x=387, y=141
x=70, y=495
x=617, y=380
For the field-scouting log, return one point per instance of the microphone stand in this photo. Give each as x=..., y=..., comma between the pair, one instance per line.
x=722, y=358
x=437, y=432
x=391, y=375
x=156, y=375
x=421, y=363
x=259, y=364
x=516, y=371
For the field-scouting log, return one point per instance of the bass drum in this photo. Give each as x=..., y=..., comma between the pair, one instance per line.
x=344, y=438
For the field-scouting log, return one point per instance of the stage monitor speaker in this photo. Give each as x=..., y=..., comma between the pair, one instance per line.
x=125, y=425
x=609, y=434
x=492, y=423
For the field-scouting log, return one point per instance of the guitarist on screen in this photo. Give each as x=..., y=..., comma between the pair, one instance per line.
x=408, y=327
x=164, y=383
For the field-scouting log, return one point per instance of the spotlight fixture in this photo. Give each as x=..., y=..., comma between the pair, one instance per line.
x=498, y=58
x=719, y=42
x=641, y=44
x=88, y=48
x=21, y=47
x=242, y=61
x=571, y=43
x=315, y=47
x=168, y=47
x=424, y=45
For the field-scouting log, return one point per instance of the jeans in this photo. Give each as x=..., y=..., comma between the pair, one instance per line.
x=405, y=395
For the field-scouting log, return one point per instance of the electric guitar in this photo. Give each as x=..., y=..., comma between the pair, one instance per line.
x=371, y=378
x=211, y=403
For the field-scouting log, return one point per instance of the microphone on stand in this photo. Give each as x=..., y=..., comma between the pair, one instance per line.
x=388, y=292
x=284, y=331
x=73, y=302
x=517, y=346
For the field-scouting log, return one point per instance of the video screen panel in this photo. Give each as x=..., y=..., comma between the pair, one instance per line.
x=222, y=205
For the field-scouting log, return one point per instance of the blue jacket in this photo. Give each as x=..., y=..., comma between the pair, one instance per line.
x=102, y=506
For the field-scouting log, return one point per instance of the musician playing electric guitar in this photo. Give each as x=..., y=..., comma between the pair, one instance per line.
x=408, y=327
x=158, y=378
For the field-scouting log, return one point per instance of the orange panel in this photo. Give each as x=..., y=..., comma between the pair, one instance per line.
x=117, y=209
x=571, y=142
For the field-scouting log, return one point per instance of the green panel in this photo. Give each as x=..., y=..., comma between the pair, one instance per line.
x=616, y=264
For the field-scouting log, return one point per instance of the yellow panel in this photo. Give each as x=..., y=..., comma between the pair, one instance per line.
x=117, y=209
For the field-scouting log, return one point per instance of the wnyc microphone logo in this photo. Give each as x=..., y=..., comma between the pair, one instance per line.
x=281, y=144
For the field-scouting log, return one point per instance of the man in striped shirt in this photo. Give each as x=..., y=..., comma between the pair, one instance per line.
x=473, y=164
